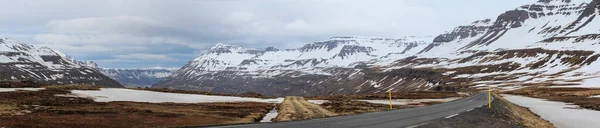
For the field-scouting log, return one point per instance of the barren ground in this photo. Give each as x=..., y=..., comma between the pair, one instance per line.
x=348, y=107
x=44, y=109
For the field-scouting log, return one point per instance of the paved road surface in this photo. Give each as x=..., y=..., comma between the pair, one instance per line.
x=388, y=119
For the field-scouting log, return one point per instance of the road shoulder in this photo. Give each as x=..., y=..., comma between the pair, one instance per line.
x=503, y=114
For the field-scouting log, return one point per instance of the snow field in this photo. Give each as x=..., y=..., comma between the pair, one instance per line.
x=560, y=114
x=119, y=94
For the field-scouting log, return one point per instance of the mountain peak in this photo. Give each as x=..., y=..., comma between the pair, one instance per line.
x=220, y=48
x=357, y=38
x=222, y=45
x=11, y=44
x=44, y=65
x=553, y=1
x=166, y=68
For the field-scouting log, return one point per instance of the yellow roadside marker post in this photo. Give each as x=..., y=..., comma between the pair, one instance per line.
x=390, y=93
x=459, y=91
x=489, y=97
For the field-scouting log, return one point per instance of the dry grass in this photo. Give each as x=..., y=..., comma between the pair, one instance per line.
x=297, y=108
x=524, y=116
x=349, y=107
x=72, y=87
x=48, y=110
x=6, y=109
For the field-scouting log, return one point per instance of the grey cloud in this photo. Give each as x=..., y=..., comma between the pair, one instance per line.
x=118, y=28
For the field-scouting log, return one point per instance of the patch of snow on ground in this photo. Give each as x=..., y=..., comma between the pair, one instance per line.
x=19, y=89
x=318, y=101
x=269, y=117
x=119, y=94
x=561, y=114
x=463, y=93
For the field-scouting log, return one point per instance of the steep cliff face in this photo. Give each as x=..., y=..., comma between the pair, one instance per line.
x=23, y=62
x=550, y=42
x=529, y=26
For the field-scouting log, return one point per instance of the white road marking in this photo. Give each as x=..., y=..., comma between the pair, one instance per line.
x=450, y=116
x=414, y=126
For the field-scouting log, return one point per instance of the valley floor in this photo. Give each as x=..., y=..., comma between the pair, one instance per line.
x=44, y=109
x=85, y=105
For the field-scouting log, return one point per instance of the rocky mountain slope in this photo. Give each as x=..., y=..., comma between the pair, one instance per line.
x=233, y=69
x=549, y=42
x=24, y=62
x=130, y=77
x=138, y=77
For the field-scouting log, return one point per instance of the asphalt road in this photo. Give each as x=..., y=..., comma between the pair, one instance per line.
x=401, y=118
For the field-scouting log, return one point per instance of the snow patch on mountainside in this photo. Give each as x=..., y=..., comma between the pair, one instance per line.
x=335, y=52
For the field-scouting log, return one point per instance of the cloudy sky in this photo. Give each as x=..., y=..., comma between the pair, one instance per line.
x=169, y=33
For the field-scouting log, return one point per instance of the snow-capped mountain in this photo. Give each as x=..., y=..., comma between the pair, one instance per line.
x=138, y=77
x=130, y=77
x=234, y=69
x=549, y=42
x=20, y=62
x=335, y=52
x=90, y=64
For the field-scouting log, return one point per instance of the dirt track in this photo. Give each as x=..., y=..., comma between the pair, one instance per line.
x=297, y=108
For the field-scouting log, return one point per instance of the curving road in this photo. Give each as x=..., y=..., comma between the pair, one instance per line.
x=388, y=119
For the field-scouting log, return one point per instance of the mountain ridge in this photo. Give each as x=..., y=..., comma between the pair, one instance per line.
x=549, y=42
x=138, y=77
x=24, y=62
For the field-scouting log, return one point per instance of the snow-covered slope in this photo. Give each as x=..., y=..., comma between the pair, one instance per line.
x=138, y=77
x=226, y=67
x=335, y=52
x=24, y=62
x=550, y=42
x=90, y=64
x=548, y=24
